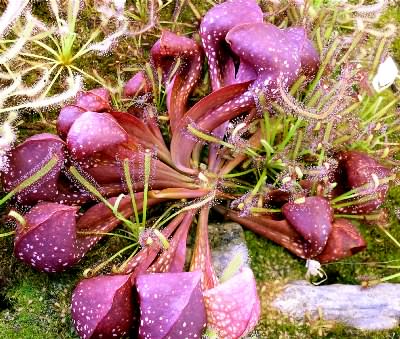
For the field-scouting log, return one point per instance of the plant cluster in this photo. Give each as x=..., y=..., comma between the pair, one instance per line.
x=292, y=142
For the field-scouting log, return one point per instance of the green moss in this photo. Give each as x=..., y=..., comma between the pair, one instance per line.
x=274, y=266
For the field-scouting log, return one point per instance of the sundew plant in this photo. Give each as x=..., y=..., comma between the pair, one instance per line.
x=284, y=120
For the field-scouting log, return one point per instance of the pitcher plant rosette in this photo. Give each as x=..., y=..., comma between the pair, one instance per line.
x=291, y=142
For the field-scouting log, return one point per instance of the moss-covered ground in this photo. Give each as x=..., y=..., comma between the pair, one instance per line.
x=36, y=305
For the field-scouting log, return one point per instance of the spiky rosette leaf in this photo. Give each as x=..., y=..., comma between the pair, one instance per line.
x=233, y=307
x=171, y=305
x=102, y=307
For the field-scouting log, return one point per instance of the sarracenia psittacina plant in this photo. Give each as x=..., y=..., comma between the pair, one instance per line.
x=123, y=160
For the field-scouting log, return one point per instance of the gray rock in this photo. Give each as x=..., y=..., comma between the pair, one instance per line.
x=226, y=240
x=372, y=308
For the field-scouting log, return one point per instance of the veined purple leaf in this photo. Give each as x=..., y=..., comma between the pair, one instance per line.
x=171, y=305
x=279, y=231
x=69, y=194
x=48, y=240
x=273, y=53
x=87, y=134
x=362, y=170
x=276, y=57
x=102, y=307
x=172, y=46
x=233, y=307
x=106, y=168
x=144, y=133
x=96, y=316
x=312, y=219
x=213, y=29
x=309, y=57
x=95, y=100
x=182, y=142
x=66, y=118
x=26, y=159
x=344, y=241
x=139, y=84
